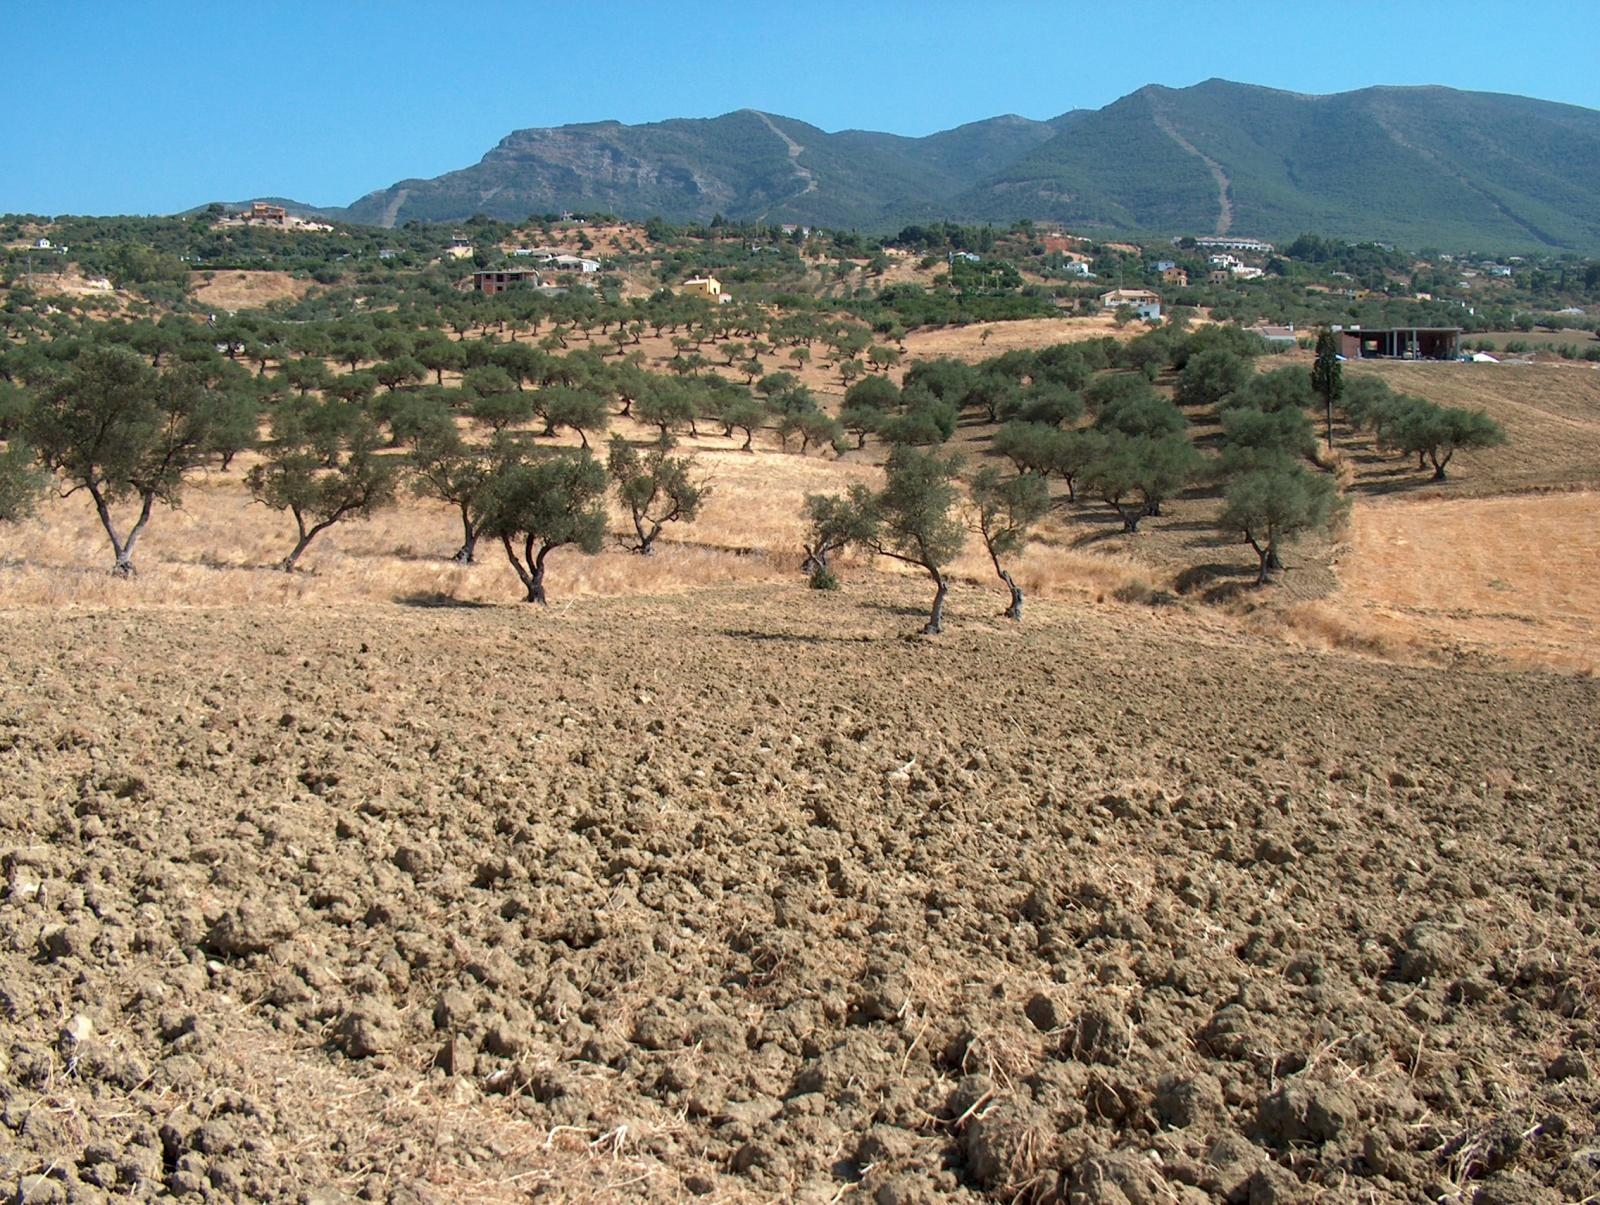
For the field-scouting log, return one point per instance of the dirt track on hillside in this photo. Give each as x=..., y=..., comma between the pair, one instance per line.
x=747, y=896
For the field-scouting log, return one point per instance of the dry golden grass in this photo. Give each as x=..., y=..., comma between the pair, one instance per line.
x=1512, y=576
x=980, y=340
x=220, y=547
x=64, y=279
x=1581, y=340
x=1551, y=414
x=235, y=290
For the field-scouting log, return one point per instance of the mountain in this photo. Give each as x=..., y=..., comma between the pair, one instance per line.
x=744, y=165
x=1421, y=166
x=1418, y=166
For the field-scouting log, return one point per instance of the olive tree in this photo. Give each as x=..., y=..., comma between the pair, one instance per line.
x=833, y=523
x=446, y=468
x=323, y=467
x=1439, y=432
x=915, y=523
x=1134, y=474
x=21, y=482
x=1275, y=502
x=1006, y=510
x=581, y=409
x=534, y=506
x=1211, y=375
x=119, y=430
x=656, y=488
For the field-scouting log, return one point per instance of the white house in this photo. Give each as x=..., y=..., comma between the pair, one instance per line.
x=1231, y=243
x=573, y=263
x=1142, y=302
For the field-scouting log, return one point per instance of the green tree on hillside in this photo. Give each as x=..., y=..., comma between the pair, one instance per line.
x=544, y=504
x=833, y=523
x=1211, y=375
x=323, y=467
x=449, y=470
x=1007, y=509
x=581, y=409
x=117, y=429
x=21, y=482
x=1275, y=502
x=1136, y=473
x=656, y=488
x=915, y=520
x=1439, y=432
x=867, y=403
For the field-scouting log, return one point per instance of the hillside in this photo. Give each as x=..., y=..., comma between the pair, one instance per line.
x=746, y=165
x=1419, y=166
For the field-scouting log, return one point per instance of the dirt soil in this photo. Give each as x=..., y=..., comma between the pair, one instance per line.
x=743, y=895
x=249, y=290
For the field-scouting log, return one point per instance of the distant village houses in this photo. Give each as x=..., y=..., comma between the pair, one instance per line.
x=1277, y=336
x=553, y=258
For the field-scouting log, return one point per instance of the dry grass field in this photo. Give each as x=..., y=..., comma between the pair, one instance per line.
x=246, y=290
x=1551, y=414
x=370, y=882
x=980, y=340
x=1513, y=577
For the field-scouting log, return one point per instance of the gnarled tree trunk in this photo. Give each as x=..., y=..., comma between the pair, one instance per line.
x=935, y=623
x=122, y=549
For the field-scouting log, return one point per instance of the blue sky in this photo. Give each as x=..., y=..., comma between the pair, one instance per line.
x=152, y=106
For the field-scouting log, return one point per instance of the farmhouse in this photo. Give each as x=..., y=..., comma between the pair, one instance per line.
x=573, y=263
x=1175, y=276
x=489, y=282
x=708, y=287
x=459, y=248
x=1143, y=302
x=272, y=217
x=262, y=214
x=1278, y=336
x=1399, y=342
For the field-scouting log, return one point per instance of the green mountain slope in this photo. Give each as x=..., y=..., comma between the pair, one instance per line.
x=1417, y=166
x=1411, y=165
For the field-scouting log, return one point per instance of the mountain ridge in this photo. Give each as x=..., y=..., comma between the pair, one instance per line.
x=1421, y=165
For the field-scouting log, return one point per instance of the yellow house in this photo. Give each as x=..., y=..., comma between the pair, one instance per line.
x=708, y=287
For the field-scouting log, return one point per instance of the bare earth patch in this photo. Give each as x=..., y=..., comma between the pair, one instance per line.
x=249, y=290
x=742, y=895
x=980, y=340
